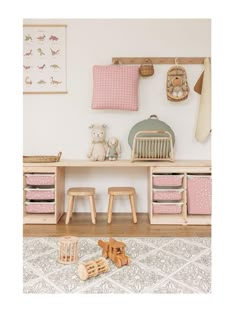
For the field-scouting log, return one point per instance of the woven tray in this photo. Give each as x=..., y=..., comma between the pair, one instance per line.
x=40, y=159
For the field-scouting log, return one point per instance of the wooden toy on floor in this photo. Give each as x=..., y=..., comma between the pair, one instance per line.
x=68, y=250
x=92, y=268
x=114, y=250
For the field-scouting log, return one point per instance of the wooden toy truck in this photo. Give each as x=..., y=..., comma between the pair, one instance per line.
x=114, y=250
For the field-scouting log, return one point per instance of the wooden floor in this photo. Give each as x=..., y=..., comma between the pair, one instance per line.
x=121, y=225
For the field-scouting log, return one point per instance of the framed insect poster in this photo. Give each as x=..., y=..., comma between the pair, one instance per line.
x=44, y=59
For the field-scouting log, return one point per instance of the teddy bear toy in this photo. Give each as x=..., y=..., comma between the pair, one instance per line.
x=177, y=84
x=176, y=87
x=114, y=150
x=98, y=148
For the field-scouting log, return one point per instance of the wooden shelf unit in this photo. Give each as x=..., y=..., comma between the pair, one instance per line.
x=45, y=218
x=199, y=219
x=167, y=219
x=183, y=218
x=183, y=167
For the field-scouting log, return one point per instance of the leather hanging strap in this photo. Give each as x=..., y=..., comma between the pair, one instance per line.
x=198, y=86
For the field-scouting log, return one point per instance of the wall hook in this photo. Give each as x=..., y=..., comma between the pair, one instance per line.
x=117, y=61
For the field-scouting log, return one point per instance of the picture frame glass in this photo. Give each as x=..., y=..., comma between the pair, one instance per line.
x=44, y=59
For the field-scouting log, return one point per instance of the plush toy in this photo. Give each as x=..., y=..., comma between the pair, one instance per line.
x=114, y=150
x=176, y=87
x=98, y=148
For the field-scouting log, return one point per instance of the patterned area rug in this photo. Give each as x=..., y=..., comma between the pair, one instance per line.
x=158, y=265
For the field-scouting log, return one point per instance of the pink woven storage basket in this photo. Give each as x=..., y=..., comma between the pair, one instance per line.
x=171, y=208
x=40, y=194
x=40, y=207
x=199, y=194
x=167, y=194
x=40, y=179
x=168, y=180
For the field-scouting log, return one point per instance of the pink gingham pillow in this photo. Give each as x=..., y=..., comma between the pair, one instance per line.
x=115, y=87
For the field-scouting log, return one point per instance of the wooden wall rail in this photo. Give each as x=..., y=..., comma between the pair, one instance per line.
x=156, y=60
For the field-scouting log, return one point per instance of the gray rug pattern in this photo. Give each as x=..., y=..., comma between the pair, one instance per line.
x=158, y=265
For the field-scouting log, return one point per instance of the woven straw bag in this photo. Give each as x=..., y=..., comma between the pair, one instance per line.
x=146, y=69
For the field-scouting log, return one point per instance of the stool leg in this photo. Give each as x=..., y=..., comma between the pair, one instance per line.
x=132, y=203
x=110, y=205
x=72, y=206
x=93, y=209
x=70, y=209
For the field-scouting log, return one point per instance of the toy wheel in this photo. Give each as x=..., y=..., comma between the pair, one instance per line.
x=118, y=262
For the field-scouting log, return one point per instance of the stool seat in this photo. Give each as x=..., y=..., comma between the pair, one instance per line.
x=121, y=191
x=81, y=191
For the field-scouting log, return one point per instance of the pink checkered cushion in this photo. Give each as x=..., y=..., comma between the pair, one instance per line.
x=115, y=87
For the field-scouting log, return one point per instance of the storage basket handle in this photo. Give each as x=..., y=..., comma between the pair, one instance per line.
x=148, y=60
x=58, y=156
x=153, y=116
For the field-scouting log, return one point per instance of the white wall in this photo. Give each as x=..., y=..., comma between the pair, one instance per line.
x=60, y=122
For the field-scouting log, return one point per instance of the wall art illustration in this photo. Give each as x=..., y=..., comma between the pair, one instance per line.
x=44, y=59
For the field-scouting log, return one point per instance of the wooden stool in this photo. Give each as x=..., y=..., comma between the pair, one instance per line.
x=81, y=192
x=121, y=191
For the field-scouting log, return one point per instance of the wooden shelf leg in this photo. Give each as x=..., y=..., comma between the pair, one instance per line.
x=93, y=209
x=70, y=209
x=185, y=207
x=110, y=205
x=132, y=203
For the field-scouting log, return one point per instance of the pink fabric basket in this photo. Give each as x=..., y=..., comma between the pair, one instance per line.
x=168, y=180
x=199, y=195
x=170, y=208
x=40, y=207
x=40, y=194
x=115, y=87
x=39, y=179
x=167, y=194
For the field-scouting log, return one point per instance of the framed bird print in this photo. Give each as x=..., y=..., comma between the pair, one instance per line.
x=44, y=59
